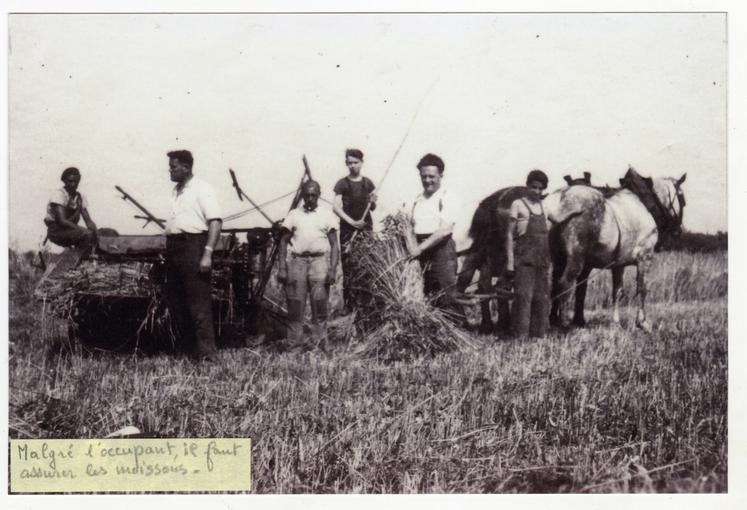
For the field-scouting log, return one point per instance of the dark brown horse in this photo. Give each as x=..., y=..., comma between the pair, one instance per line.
x=488, y=254
x=613, y=230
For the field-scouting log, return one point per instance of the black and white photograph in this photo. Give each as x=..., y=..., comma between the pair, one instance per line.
x=402, y=252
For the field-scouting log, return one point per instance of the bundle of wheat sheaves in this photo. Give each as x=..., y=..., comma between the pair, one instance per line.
x=396, y=319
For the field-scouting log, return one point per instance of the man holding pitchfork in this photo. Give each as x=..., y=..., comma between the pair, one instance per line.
x=354, y=199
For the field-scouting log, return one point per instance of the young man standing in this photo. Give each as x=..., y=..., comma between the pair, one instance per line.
x=311, y=235
x=528, y=254
x=352, y=195
x=192, y=233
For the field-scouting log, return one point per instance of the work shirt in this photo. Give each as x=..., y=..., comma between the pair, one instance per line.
x=192, y=207
x=355, y=198
x=428, y=213
x=309, y=230
x=521, y=212
x=73, y=205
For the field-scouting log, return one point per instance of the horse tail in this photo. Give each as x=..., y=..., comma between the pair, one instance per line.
x=466, y=251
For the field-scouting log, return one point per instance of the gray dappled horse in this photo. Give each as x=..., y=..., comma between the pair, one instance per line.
x=611, y=230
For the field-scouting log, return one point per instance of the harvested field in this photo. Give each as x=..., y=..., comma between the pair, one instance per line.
x=598, y=410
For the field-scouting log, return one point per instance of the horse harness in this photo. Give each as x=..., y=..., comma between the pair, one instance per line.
x=667, y=219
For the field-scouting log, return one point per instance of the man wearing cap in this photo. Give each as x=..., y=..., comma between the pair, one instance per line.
x=310, y=235
x=65, y=208
x=434, y=214
x=528, y=254
x=192, y=233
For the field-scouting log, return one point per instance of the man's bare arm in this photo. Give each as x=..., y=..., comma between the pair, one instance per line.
x=510, y=231
x=334, y=256
x=444, y=231
x=88, y=221
x=283, y=256
x=59, y=216
x=337, y=208
x=206, y=262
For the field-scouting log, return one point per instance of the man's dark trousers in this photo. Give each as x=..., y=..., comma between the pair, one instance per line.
x=62, y=236
x=531, y=306
x=188, y=293
x=440, y=275
x=530, y=309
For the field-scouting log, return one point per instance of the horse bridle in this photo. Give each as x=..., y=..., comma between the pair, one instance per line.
x=674, y=217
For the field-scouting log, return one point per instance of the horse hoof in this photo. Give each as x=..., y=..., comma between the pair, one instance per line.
x=563, y=326
x=644, y=325
x=579, y=323
x=485, y=329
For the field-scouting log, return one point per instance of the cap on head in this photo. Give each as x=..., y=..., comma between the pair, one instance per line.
x=537, y=175
x=311, y=186
x=68, y=172
x=432, y=160
x=183, y=157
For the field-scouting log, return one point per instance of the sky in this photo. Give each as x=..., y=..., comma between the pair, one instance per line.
x=494, y=95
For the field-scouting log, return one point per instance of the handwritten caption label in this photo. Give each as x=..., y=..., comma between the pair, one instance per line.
x=130, y=465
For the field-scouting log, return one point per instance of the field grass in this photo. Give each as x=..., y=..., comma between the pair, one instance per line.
x=603, y=409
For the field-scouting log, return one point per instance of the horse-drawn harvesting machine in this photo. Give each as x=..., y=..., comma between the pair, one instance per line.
x=113, y=299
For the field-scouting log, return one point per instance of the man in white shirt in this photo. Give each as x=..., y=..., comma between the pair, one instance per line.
x=65, y=208
x=434, y=214
x=310, y=234
x=192, y=233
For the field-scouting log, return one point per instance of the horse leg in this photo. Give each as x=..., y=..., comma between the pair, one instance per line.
x=641, y=321
x=617, y=280
x=484, y=285
x=573, y=268
x=504, y=315
x=471, y=262
x=581, y=284
x=557, y=271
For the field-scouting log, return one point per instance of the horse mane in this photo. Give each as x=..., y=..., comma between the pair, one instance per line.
x=606, y=190
x=643, y=188
x=485, y=220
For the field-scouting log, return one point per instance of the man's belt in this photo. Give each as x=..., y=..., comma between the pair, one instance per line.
x=185, y=235
x=309, y=254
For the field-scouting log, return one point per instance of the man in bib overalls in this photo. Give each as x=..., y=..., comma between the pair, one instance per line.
x=528, y=253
